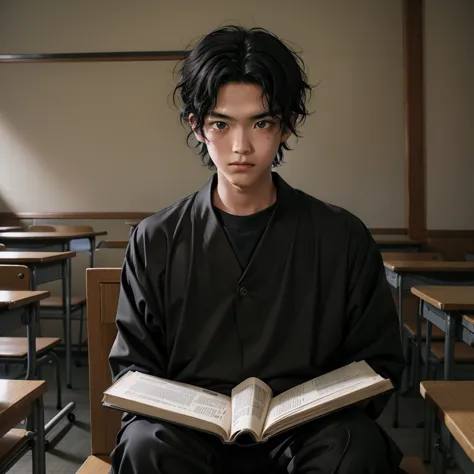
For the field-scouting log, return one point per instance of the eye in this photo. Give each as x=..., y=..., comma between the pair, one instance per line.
x=261, y=124
x=219, y=125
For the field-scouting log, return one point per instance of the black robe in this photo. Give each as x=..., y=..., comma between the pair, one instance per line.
x=313, y=297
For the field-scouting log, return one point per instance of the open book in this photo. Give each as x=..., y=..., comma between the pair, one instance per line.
x=251, y=408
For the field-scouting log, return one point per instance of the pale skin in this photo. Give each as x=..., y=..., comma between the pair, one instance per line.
x=242, y=140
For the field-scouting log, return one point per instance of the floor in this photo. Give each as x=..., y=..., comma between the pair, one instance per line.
x=70, y=443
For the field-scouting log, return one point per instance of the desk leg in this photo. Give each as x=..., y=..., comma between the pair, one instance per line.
x=396, y=395
x=400, y=303
x=417, y=358
x=31, y=322
x=428, y=411
x=67, y=306
x=38, y=455
x=449, y=346
x=37, y=309
x=440, y=461
x=91, y=251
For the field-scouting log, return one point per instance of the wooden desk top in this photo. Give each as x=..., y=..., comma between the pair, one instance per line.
x=449, y=298
x=395, y=240
x=4, y=236
x=426, y=266
x=33, y=257
x=112, y=244
x=16, y=397
x=469, y=318
x=455, y=403
x=132, y=223
x=16, y=299
x=10, y=228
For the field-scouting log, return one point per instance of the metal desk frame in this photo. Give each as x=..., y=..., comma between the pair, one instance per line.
x=403, y=282
x=455, y=328
x=36, y=425
x=58, y=245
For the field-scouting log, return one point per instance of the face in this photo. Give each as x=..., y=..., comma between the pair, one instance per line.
x=241, y=138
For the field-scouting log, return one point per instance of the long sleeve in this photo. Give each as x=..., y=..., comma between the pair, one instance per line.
x=140, y=341
x=372, y=332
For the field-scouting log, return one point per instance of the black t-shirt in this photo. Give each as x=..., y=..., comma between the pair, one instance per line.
x=244, y=232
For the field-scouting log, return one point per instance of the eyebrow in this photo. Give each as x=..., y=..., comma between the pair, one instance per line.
x=217, y=115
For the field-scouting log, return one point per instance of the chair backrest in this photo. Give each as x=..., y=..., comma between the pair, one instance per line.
x=2, y=247
x=103, y=285
x=412, y=256
x=15, y=277
x=60, y=228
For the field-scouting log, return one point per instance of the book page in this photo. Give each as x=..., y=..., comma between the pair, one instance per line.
x=330, y=385
x=250, y=402
x=172, y=397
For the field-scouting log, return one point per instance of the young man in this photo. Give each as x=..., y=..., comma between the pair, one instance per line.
x=250, y=277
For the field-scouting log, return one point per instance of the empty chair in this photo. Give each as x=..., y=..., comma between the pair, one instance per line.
x=14, y=349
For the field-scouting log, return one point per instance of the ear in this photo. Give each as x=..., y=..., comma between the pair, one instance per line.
x=192, y=122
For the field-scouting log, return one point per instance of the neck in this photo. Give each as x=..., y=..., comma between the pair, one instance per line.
x=244, y=201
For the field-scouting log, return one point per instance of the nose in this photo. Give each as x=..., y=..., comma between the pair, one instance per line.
x=241, y=143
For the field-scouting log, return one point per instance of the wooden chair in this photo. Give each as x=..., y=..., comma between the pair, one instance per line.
x=22, y=399
x=103, y=286
x=452, y=402
x=102, y=292
x=13, y=350
x=54, y=304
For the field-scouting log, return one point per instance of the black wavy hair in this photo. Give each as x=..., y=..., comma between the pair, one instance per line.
x=233, y=54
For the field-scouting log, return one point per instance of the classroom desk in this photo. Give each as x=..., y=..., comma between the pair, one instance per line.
x=404, y=274
x=454, y=404
x=18, y=399
x=10, y=228
x=52, y=241
x=12, y=305
x=443, y=306
x=397, y=243
x=23, y=304
x=56, y=242
x=46, y=267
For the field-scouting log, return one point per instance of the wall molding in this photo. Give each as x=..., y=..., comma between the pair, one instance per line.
x=447, y=233
x=94, y=57
x=133, y=215
x=74, y=215
x=138, y=215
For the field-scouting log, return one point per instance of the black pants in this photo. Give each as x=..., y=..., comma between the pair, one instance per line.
x=346, y=442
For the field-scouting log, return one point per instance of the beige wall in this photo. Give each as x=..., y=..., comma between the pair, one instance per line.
x=449, y=69
x=104, y=136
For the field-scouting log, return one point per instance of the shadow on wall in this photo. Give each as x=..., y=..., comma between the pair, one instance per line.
x=7, y=214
